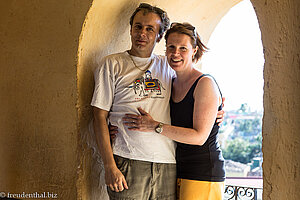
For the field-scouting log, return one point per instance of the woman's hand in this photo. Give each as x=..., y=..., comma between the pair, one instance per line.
x=143, y=122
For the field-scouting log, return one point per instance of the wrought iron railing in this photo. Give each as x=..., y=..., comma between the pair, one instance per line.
x=242, y=193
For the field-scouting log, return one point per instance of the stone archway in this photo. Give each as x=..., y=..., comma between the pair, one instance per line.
x=42, y=116
x=279, y=38
x=116, y=39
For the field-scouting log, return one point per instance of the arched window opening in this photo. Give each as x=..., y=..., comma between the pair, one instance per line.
x=236, y=60
x=116, y=39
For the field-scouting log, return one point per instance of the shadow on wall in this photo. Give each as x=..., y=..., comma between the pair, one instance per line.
x=105, y=31
x=37, y=105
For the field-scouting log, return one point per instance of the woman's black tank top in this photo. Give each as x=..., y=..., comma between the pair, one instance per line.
x=195, y=162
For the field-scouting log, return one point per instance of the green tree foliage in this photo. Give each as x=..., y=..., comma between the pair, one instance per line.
x=241, y=150
x=244, y=107
x=248, y=126
x=255, y=147
x=245, y=126
x=244, y=142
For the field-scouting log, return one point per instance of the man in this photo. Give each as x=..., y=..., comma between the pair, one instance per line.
x=142, y=163
x=124, y=82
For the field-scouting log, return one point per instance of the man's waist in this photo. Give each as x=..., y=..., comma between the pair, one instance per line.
x=148, y=148
x=165, y=160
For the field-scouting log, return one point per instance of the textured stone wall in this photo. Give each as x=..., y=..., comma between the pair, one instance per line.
x=47, y=53
x=279, y=23
x=38, y=121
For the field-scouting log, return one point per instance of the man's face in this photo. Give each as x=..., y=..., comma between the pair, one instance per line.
x=144, y=33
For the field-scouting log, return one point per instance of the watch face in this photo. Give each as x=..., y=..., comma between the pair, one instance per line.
x=159, y=128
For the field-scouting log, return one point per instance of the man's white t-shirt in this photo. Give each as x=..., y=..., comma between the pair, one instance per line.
x=121, y=87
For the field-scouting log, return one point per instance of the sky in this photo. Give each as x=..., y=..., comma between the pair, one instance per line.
x=236, y=58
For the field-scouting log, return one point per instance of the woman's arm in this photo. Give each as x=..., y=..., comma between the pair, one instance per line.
x=207, y=100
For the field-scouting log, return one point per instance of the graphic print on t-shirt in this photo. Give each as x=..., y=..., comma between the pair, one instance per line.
x=146, y=85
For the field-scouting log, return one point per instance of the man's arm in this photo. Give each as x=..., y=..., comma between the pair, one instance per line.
x=113, y=176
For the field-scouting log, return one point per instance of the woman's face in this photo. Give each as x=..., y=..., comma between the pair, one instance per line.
x=180, y=51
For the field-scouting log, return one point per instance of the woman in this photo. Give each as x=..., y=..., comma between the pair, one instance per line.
x=195, y=102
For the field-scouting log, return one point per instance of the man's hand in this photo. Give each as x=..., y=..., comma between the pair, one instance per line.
x=220, y=114
x=113, y=176
x=113, y=131
x=114, y=179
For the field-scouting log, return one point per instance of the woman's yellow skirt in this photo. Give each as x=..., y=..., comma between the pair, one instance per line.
x=199, y=190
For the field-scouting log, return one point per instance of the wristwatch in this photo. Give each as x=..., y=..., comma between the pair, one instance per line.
x=159, y=128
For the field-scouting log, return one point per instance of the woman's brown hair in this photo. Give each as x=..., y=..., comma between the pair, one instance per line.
x=188, y=29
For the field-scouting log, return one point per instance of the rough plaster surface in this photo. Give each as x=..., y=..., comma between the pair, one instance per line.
x=279, y=22
x=38, y=122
